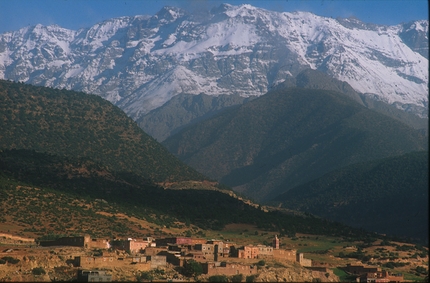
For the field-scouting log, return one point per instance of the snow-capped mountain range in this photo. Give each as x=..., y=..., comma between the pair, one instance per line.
x=141, y=62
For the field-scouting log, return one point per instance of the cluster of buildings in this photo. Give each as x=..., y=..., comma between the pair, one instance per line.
x=150, y=253
x=372, y=274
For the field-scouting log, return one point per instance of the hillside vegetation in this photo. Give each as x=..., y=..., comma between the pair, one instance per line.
x=289, y=137
x=67, y=123
x=81, y=146
x=84, y=181
x=386, y=196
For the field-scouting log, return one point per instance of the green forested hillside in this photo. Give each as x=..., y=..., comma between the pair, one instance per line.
x=67, y=123
x=387, y=196
x=73, y=145
x=288, y=137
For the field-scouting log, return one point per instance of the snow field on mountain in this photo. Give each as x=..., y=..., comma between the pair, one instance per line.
x=141, y=62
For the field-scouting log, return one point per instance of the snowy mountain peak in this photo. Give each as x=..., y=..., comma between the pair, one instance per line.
x=242, y=10
x=141, y=62
x=169, y=14
x=419, y=26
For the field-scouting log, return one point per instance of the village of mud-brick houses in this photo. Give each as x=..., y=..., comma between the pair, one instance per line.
x=216, y=257
x=149, y=253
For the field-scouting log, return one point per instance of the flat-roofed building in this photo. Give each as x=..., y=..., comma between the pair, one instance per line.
x=94, y=276
x=226, y=268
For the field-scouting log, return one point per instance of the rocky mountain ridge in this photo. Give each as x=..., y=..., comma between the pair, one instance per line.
x=141, y=62
x=287, y=137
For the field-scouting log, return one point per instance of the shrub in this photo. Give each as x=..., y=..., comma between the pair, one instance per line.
x=261, y=263
x=250, y=278
x=10, y=259
x=237, y=278
x=218, y=278
x=38, y=271
x=145, y=275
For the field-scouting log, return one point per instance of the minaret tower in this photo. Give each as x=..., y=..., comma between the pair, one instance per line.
x=276, y=243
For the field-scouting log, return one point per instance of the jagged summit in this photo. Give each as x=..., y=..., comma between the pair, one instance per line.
x=139, y=63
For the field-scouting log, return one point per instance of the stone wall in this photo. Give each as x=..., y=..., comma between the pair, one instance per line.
x=223, y=268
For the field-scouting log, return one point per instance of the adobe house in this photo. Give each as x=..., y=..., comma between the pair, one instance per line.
x=372, y=274
x=392, y=277
x=94, y=276
x=208, y=250
x=225, y=268
x=157, y=261
x=302, y=260
x=178, y=248
x=219, y=249
x=195, y=255
x=289, y=254
x=249, y=251
x=65, y=241
x=154, y=250
x=264, y=251
x=228, y=249
x=175, y=240
x=79, y=241
x=94, y=261
x=138, y=259
x=360, y=269
x=198, y=241
x=382, y=276
x=173, y=258
x=130, y=245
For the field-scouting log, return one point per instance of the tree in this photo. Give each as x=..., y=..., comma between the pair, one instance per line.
x=237, y=278
x=192, y=268
x=38, y=271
